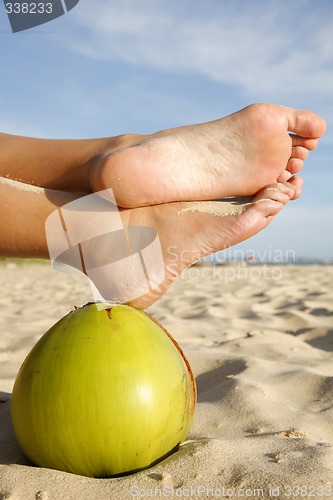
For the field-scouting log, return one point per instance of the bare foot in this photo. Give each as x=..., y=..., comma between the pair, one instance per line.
x=235, y=156
x=190, y=231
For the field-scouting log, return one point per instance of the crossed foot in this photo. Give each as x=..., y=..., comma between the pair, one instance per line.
x=254, y=152
x=188, y=232
x=235, y=156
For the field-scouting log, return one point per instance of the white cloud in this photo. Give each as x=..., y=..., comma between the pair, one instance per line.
x=257, y=46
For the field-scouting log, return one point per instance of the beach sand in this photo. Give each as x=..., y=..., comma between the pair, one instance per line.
x=260, y=342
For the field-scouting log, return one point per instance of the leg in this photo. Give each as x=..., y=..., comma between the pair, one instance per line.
x=235, y=156
x=186, y=234
x=55, y=164
x=190, y=231
x=24, y=210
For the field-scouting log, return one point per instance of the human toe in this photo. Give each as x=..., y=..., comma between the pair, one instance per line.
x=297, y=184
x=305, y=123
x=294, y=165
x=284, y=176
x=280, y=192
x=299, y=152
x=309, y=144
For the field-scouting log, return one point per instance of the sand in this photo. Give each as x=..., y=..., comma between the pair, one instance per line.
x=21, y=186
x=259, y=340
x=224, y=207
x=220, y=208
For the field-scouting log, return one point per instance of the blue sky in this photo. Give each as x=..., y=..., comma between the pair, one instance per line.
x=110, y=67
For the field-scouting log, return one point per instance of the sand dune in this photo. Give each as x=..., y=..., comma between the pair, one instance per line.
x=260, y=342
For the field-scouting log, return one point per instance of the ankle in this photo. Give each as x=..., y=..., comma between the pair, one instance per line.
x=91, y=170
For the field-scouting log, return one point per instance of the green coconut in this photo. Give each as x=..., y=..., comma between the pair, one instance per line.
x=104, y=392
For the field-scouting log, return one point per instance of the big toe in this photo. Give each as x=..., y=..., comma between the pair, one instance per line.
x=305, y=123
x=268, y=202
